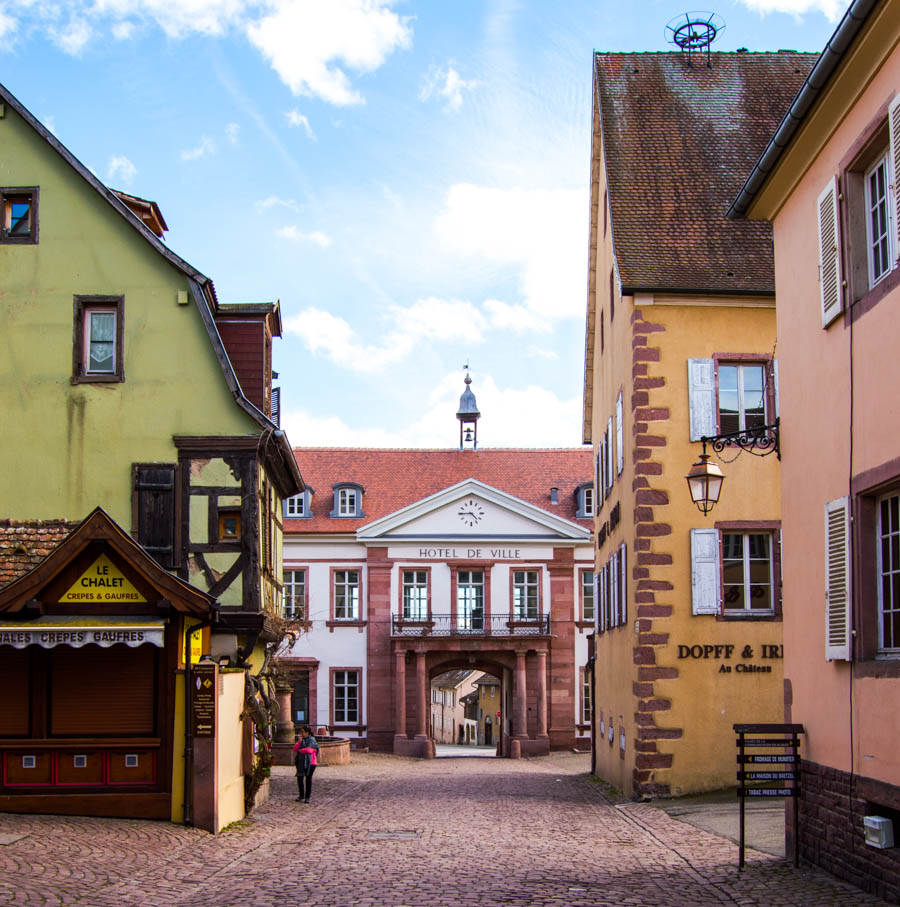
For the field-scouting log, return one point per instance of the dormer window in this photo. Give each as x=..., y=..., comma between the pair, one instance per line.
x=298, y=507
x=347, y=501
x=584, y=496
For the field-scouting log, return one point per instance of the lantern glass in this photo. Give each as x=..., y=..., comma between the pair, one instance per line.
x=705, y=483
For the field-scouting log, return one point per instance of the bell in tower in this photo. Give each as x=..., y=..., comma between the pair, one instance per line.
x=468, y=416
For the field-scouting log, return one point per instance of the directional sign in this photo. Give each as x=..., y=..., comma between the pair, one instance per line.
x=767, y=792
x=766, y=776
x=787, y=757
x=764, y=741
x=203, y=700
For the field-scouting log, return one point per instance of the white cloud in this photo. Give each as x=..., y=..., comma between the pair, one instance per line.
x=295, y=118
x=206, y=146
x=7, y=24
x=536, y=352
x=322, y=240
x=443, y=320
x=507, y=420
x=515, y=318
x=122, y=31
x=831, y=9
x=542, y=231
x=178, y=18
x=273, y=201
x=48, y=121
x=231, y=133
x=446, y=84
x=73, y=37
x=306, y=40
x=121, y=170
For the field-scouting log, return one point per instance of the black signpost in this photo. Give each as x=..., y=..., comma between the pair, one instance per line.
x=771, y=769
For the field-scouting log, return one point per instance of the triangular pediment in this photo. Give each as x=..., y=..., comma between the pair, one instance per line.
x=473, y=510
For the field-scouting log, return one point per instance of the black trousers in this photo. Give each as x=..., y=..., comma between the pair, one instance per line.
x=307, y=777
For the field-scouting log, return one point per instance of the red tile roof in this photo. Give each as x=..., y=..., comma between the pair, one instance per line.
x=25, y=543
x=679, y=140
x=393, y=479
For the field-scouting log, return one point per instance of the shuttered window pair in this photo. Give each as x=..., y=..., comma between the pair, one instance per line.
x=847, y=262
x=738, y=398
x=613, y=588
x=734, y=573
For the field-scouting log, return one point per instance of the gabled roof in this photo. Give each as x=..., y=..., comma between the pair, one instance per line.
x=547, y=524
x=99, y=526
x=450, y=679
x=202, y=289
x=25, y=543
x=678, y=139
x=395, y=479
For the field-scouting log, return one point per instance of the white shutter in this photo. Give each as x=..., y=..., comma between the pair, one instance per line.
x=830, y=291
x=609, y=452
x=614, y=590
x=775, y=383
x=705, y=571
x=702, y=397
x=894, y=121
x=623, y=588
x=620, y=440
x=837, y=580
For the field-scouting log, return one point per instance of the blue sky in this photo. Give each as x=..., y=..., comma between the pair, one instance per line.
x=410, y=179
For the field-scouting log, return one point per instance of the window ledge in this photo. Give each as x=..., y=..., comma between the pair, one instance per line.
x=584, y=624
x=331, y=624
x=748, y=617
x=97, y=379
x=884, y=666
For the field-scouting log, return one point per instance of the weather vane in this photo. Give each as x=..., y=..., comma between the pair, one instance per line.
x=694, y=31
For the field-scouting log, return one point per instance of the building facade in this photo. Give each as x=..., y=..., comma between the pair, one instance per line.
x=411, y=563
x=681, y=345
x=120, y=393
x=830, y=190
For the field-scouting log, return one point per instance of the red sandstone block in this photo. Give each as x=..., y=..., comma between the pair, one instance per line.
x=647, y=327
x=660, y=560
x=658, y=760
x=657, y=673
x=638, y=428
x=653, y=639
x=644, y=746
x=640, y=572
x=638, y=340
x=650, y=440
x=644, y=597
x=652, y=530
x=639, y=482
x=644, y=721
x=660, y=733
x=642, y=690
x=654, y=610
x=640, y=398
x=653, y=414
x=642, y=544
x=654, y=705
x=647, y=468
x=642, y=384
x=641, y=453
x=645, y=354
x=657, y=584
x=637, y=316
x=651, y=496
x=644, y=655
x=639, y=368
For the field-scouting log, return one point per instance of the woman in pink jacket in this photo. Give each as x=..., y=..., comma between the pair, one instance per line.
x=306, y=751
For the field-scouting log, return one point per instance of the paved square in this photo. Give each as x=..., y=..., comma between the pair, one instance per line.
x=391, y=831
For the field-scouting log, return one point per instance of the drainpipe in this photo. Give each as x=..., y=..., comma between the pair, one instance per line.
x=592, y=659
x=188, y=730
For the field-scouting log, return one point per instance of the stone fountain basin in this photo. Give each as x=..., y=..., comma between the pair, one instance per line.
x=333, y=750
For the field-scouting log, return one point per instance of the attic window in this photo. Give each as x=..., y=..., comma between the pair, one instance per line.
x=584, y=498
x=18, y=215
x=347, y=501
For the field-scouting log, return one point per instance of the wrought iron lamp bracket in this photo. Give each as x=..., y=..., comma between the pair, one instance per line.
x=761, y=442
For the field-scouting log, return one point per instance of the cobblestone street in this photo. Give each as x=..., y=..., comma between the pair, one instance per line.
x=390, y=831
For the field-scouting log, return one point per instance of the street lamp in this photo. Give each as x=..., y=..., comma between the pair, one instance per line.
x=705, y=479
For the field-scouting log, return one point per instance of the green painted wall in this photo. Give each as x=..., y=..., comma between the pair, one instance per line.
x=70, y=447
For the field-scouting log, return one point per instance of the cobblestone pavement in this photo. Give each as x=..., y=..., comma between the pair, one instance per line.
x=392, y=831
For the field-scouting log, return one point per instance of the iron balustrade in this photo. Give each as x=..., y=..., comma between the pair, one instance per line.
x=471, y=625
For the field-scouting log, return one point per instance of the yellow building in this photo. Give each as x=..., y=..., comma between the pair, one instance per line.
x=680, y=345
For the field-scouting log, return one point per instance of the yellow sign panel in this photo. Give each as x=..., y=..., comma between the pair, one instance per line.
x=103, y=582
x=196, y=646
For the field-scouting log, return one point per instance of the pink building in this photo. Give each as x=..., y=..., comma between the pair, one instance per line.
x=830, y=183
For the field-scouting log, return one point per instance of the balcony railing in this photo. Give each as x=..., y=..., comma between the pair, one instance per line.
x=475, y=625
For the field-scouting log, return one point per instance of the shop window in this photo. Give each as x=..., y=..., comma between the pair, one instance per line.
x=99, y=339
x=414, y=594
x=19, y=215
x=294, y=590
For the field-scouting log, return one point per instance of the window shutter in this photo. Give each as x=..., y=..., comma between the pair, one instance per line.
x=829, y=253
x=775, y=383
x=276, y=405
x=601, y=600
x=837, y=580
x=623, y=587
x=154, y=488
x=705, y=571
x=702, y=397
x=596, y=583
x=894, y=121
x=620, y=440
x=609, y=453
x=614, y=590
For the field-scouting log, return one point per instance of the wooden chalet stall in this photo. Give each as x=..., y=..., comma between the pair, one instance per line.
x=92, y=642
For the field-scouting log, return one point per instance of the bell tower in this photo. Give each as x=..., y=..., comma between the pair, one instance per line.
x=468, y=416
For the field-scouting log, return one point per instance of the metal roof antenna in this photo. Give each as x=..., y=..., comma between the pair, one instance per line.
x=694, y=32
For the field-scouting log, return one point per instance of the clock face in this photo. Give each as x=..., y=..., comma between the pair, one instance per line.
x=471, y=513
